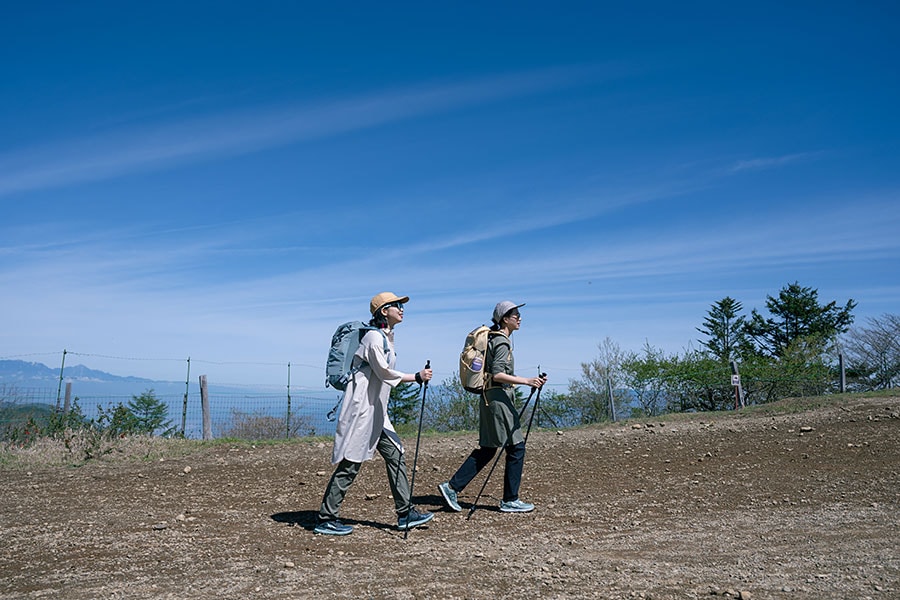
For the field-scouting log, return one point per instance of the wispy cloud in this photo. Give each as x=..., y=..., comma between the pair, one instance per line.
x=163, y=144
x=758, y=164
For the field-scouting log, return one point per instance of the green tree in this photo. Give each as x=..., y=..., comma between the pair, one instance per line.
x=149, y=415
x=449, y=407
x=554, y=410
x=796, y=313
x=726, y=331
x=696, y=381
x=643, y=374
x=804, y=368
x=403, y=403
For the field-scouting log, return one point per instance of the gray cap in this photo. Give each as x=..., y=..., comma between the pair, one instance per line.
x=502, y=308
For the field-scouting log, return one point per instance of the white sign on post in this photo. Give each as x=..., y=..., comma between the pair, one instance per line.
x=735, y=380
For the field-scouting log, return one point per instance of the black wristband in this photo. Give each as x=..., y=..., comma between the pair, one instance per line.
x=418, y=377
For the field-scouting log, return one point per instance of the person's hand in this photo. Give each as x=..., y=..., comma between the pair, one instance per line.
x=425, y=374
x=537, y=382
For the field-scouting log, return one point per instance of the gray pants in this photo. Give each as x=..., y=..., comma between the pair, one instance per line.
x=347, y=471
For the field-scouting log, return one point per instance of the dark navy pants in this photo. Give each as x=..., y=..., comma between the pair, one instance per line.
x=515, y=460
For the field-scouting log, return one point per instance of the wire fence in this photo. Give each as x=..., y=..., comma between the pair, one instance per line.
x=268, y=411
x=251, y=415
x=263, y=411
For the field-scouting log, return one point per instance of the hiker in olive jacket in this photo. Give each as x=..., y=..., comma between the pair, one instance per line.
x=499, y=425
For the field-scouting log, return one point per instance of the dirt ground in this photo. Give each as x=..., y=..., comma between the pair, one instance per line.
x=768, y=503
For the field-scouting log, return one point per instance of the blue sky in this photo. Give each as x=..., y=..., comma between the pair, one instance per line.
x=229, y=181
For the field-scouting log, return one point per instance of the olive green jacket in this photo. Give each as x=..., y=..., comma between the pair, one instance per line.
x=498, y=418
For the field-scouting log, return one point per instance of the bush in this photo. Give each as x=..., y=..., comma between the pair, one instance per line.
x=255, y=426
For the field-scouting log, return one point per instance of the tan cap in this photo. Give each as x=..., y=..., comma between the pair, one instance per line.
x=383, y=298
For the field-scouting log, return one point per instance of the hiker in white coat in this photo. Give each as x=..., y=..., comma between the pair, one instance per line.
x=364, y=426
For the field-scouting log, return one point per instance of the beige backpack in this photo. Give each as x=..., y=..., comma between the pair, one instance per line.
x=472, y=360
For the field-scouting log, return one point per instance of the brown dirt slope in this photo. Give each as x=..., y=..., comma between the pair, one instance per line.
x=765, y=503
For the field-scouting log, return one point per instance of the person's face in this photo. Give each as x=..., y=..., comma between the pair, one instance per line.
x=393, y=312
x=513, y=320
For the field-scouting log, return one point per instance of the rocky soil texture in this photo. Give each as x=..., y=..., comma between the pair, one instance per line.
x=778, y=502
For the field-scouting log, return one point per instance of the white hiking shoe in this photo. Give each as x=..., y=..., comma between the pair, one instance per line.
x=517, y=506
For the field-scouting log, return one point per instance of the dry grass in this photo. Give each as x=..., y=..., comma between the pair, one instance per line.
x=76, y=447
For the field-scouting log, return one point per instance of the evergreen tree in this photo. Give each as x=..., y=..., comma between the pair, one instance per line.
x=403, y=402
x=149, y=414
x=796, y=313
x=726, y=331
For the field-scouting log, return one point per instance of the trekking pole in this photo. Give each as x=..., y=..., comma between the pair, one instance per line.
x=412, y=480
x=499, y=454
x=534, y=409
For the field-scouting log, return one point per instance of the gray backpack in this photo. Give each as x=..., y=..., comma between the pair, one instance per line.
x=344, y=343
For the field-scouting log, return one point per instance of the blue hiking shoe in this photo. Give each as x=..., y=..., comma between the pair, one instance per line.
x=516, y=506
x=449, y=495
x=413, y=518
x=333, y=527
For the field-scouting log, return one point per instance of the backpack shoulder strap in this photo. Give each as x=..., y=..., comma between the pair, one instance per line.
x=494, y=334
x=365, y=329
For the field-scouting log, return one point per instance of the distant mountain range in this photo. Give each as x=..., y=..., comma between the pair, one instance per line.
x=85, y=381
x=88, y=382
x=38, y=374
x=32, y=383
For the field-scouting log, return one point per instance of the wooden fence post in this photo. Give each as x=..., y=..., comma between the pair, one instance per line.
x=68, y=401
x=204, y=406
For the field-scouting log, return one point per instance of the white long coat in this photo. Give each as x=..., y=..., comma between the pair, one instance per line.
x=364, y=407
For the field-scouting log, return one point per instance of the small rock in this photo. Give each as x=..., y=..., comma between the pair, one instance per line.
x=288, y=565
x=160, y=526
x=187, y=470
